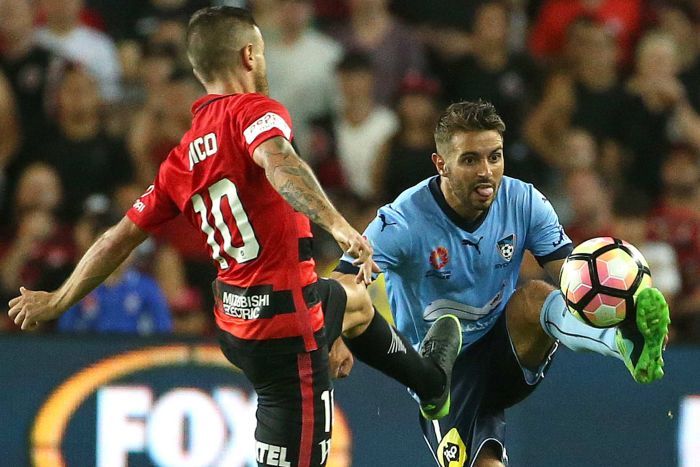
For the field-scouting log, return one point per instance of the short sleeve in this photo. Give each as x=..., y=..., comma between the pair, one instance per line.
x=262, y=119
x=546, y=238
x=154, y=207
x=390, y=238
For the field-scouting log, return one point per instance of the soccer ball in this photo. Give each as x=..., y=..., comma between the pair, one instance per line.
x=601, y=279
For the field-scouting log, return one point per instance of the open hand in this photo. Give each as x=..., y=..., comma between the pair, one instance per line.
x=340, y=359
x=31, y=307
x=359, y=248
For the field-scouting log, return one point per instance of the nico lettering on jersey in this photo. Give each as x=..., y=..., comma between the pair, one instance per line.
x=201, y=148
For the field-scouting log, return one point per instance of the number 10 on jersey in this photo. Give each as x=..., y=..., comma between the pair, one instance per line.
x=250, y=249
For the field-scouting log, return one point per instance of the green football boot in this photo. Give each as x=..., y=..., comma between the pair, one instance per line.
x=641, y=343
x=441, y=344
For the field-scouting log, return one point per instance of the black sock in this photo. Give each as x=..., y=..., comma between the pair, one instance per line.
x=382, y=347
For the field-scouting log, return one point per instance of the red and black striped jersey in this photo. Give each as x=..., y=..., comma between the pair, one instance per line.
x=259, y=243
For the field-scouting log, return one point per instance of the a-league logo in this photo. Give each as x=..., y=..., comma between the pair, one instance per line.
x=450, y=453
x=506, y=247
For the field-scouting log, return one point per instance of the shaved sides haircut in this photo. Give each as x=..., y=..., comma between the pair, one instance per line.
x=466, y=116
x=215, y=36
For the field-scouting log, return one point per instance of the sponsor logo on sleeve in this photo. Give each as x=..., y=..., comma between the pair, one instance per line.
x=559, y=241
x=385, y=223
x=139, y=205
x=266, y=123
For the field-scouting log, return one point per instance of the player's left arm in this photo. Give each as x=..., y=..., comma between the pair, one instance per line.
x=101, y=259
x=553, y=269
x=546, y=238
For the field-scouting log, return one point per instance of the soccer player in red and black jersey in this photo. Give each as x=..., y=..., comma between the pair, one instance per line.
x=237, y=178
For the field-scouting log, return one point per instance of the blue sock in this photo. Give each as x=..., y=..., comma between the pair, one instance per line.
x=561, y=325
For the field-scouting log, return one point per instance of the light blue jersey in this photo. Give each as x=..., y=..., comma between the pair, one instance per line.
x=436, y=263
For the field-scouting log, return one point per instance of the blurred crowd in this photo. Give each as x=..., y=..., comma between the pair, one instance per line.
x=601, y=99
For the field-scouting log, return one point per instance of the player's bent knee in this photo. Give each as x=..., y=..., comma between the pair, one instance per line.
x=526, y=303
x=358, y=308
x=489, y=456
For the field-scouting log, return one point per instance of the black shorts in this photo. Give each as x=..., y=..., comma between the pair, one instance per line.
x=295, y=394
x=487, y=378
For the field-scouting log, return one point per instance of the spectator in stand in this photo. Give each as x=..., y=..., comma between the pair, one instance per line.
x=9, y=142
x=64, y=35
x=405, y=160
x=189, y=319
x=621, y=18
x=363, y=120
x=329, y=13
x=591, y=206
x=631, y=223
x=448, y=14
x=128, y=302
x=147, y=72
x=155, y=130
x=160, y=123
x=175, y=264
x=171, y=33
x=656, y=114
x=147, y=15
x=681, y=22
x=676, y=220
x=36, y=250
x=393, y=47
x=306, y=87
x=493, y=73
x=87, y=160
x=579, y=152
x=266, y=14
x=587, y=94
x=31, y=70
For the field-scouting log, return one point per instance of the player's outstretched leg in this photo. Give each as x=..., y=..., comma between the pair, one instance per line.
x=441, y=344
x=639, y=345
x=378, y=344
x=641, y=342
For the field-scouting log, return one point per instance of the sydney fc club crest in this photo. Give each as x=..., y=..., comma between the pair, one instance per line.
x=506, y=247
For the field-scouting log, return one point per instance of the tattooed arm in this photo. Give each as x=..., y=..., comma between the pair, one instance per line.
x=294, y=180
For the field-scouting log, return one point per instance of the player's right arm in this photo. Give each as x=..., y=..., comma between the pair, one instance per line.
x=294, y=180
x=390, y=236
x=101, y=259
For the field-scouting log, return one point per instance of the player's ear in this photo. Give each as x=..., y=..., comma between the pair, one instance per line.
x=247, y=57
x=439, y=162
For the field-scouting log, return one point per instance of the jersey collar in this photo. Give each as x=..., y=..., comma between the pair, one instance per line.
x=459, y=221
x=204, y=101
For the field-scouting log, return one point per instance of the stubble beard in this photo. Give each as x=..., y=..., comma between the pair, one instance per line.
x=261, y=85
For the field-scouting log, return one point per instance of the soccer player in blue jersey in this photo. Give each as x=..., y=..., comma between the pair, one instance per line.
x=453, y=244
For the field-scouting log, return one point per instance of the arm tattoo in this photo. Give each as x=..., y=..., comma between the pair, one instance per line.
x=296, y=183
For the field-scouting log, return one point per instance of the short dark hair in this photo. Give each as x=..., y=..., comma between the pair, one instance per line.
x=467, y=116
x=214, y=37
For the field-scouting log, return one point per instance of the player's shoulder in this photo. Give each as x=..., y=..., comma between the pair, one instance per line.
x=514, y=190
x=413, y=201
x=515, y=186
x=254, y=100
